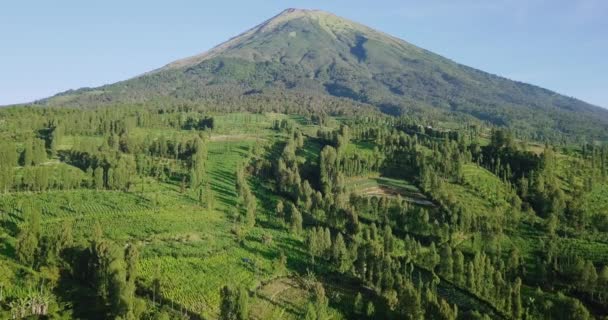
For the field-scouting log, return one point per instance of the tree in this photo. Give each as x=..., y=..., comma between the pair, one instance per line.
x=295, y=220
x=446, y=267
x=107, y=272
x=328, y=169
x=280, y=211
x=432, y=258
x=234, y=303
x=358, y=304
x=131, y=258
x=459, y=271
x=590, y=276
x=339, y=254
x=38, y=152
x=603, y=278
x=98, y=175
x=370, y=310
x=569, y=308
x=280, y=263
x=198, y=163
x=318, y=308
x=516, y=303
x=551, y=224
x=28, y=154
x=28, y=237
x=410, y=303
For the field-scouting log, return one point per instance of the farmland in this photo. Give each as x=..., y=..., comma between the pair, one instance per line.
x=294, y=217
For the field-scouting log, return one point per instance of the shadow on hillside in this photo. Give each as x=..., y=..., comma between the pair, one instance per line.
x=287, y=306
x=10, y=225
x=84, y=301
x=143, y=291
x=227, y=197
x=7, y=250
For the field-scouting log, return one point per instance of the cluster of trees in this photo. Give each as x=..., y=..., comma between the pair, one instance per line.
x=34, y=152
x=283, y=125
x=108, y=269
x=434, y=159
x=111, y=271
x=203, y=123
x=564, y=268
x=234, y=303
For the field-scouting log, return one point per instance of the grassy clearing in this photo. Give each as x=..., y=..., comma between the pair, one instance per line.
x=361, y=148
x=389, y=187
x=486, y=185
x=67, y=142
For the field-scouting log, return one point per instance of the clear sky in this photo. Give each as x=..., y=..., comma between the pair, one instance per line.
x=51, y=46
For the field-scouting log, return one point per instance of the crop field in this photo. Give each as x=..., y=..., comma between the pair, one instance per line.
x=191, y=246
x=476, y=204
x=389, y=187
x=485, y=184
x=362, y=148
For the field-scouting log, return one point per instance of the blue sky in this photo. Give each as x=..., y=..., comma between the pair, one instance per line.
x=51, y=46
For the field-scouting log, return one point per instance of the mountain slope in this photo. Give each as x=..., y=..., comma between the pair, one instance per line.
x=317, y=53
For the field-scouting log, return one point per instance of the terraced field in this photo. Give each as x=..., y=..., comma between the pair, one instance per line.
x=383, y=186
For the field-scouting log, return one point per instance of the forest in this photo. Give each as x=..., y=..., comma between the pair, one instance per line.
x=294, y=209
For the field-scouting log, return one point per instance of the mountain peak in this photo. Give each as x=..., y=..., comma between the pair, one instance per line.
x=297, y=12
x=283, y=17
x=318, y=53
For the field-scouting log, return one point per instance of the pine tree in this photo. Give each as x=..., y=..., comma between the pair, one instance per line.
x=459, y=270
x=28, y=237
x=295, y=220
x=370, y=310
x=280, y=211
x=516, y=303
x=99, y=180
x=340, y=254
x=410, y=304
x=28, y=154
x=234, y=303
x=358, y=304
x=446, y=267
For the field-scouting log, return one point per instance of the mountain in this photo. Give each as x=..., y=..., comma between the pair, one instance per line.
x=316, y=53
